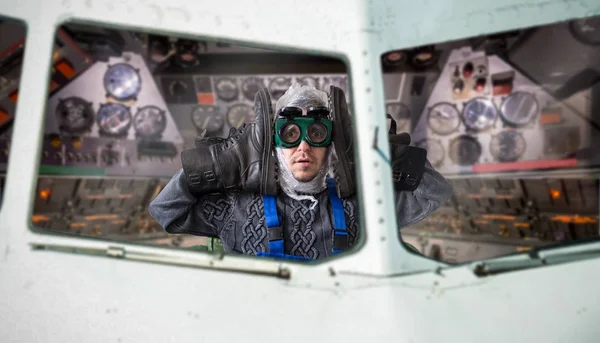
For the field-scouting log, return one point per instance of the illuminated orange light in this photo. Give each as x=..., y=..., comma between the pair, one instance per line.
x=45, y=193
x=554, y=193
x=55, y=142
x=77, y=143
x=39, y=218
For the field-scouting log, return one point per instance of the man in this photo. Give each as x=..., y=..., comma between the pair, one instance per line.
x=265, y=189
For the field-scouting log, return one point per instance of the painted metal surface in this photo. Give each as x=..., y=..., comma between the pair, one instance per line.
x=380, y=292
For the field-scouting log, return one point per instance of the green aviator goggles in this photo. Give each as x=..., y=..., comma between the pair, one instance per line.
x=314, y=127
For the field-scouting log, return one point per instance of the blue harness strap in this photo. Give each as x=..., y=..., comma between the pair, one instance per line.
x=340, y=234
x=275, y=231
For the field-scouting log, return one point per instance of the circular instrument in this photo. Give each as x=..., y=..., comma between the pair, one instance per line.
x=519, y=109
x=178, y=88
x=464, y=150
x=443, y=118
x=122, y=81
x=435, y=150
x=208, y=118
x=74, y=114
x=480, y=114
x=251, y=86
x=278, y=86
x=113, y=119
x=400, y=112
x=587, y=30
x=227, y=89
x=507, y=146
x=240, y=114
x=309, y=81
x=149, y=121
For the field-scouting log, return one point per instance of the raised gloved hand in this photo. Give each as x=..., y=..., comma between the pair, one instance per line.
x=242, y=162
x=407, y=162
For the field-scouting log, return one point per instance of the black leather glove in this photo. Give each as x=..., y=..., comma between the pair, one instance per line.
x=244, y=161
x=407, y=162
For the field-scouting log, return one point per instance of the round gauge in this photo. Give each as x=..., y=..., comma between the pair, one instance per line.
x=114, y=119
x=464, y=150
x=337, y=81
x=227, y=89
x=75, y=115
x=278, y=86
x=480, y=114
x=122, y=81
x=519, y=109
x=587, y=30
x=435, y=150
x=208, y=118
x=443, y=118
x=239, y=114
x=400, y=112
x=309, y=81
x=178, y=88
x=251, y=86
x=507, y=146
x=149, y=121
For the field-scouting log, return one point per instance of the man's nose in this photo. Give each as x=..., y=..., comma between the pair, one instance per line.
x=303, y=146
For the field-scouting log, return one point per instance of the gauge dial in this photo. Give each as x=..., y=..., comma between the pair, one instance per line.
x=208, y=118
x=587, y=30
x=122, y=81
x=435, y=151
x=401, y=114
x=507, y=146
x=278, y=86
x=240, y=114
x=464, y=150
x=114, y=119
x=519, y=109
x=309, y=81
x=443, y=118
x=251, y=86
x=149, y=121
x=227, y=89
x=480, y=114
x=75, y=115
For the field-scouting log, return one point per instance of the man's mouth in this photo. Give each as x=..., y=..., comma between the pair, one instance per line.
x=304, y=162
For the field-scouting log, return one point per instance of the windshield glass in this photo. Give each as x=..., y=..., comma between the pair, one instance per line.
x=513, y=121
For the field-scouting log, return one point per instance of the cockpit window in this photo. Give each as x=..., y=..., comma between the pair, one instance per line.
x=512, y=120
x=12, y=49
x=196, y=144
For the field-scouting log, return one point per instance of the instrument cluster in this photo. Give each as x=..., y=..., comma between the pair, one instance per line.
x=218, y=103
x=482, y=115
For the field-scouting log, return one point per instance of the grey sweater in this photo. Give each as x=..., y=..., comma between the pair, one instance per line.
x=238, y=218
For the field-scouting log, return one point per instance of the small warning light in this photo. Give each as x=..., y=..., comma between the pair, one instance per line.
x=45, y=193
x=55, y=142
x=76, y=143
x=554, y=193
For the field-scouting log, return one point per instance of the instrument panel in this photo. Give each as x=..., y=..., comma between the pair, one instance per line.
x=218, y=103
x=482, y=115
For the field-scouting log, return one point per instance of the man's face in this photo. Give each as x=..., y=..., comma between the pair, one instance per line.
x=305, y=161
